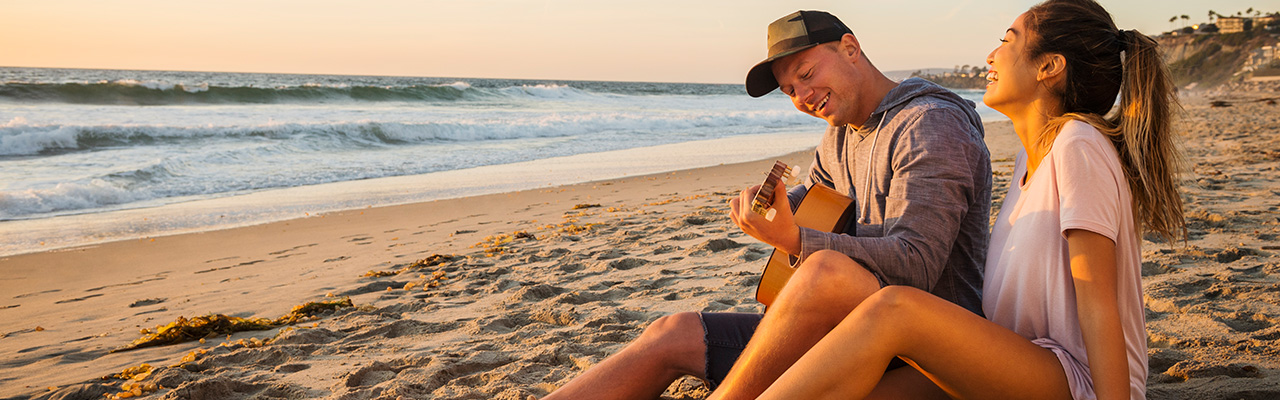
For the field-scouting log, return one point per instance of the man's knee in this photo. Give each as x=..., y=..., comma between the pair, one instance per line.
x=678, y=339
x=675, y=324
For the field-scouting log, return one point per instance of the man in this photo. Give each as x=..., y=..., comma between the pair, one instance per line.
x=911, y=156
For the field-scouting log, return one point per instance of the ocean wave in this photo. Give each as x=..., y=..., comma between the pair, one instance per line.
x=67, y=196
x=144, y=93
x=21, y=138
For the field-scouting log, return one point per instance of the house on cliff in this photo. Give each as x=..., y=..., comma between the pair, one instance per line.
x=1234, y=24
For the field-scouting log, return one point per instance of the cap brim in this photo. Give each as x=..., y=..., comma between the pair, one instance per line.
x=760, y=80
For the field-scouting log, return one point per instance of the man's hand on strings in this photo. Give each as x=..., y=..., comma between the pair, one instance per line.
x=782, y=232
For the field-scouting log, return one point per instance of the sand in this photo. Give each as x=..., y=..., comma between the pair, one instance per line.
x=539, y=285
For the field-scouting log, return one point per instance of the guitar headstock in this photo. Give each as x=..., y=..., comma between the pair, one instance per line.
x=763, y=202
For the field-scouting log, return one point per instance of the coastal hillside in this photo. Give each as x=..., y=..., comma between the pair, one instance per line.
x=1206, y=61
x=1196, y=61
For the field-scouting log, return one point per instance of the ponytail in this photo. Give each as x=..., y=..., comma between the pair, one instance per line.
x=1144, y=128
x=1101, y=63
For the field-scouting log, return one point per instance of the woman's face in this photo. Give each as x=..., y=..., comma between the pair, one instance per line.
x=1011, y=81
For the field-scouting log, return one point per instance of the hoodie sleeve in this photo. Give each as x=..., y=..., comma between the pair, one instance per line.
x=933, y=168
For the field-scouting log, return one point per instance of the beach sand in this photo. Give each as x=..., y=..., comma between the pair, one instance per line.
x=520, y=292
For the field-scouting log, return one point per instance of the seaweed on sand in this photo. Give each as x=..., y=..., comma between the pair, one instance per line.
x=196, y=328
x=431, y=261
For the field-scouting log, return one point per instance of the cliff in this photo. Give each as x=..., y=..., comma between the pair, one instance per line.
x=1204, y=61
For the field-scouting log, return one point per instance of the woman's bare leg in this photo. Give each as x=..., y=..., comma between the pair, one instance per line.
x=906, y=383
x=964, y=354
x=816, y=299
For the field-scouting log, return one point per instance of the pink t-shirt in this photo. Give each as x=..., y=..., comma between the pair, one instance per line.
x=1028, y=286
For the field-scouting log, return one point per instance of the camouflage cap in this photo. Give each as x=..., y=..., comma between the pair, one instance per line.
x=788, y=35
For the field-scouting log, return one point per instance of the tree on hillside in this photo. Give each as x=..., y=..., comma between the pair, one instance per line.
x=1185, y=18
x=1171, y=19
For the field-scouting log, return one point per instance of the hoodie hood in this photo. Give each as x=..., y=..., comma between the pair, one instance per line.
x=909, y=90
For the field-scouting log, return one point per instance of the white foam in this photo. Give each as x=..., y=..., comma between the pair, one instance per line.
x=65, y=196
x=154, y=85
x=544, y=91
x=197, y=88
x=320, y=85
x=457, y=85
x=17, y=138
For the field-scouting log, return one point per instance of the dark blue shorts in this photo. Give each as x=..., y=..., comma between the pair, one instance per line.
x=727, y=335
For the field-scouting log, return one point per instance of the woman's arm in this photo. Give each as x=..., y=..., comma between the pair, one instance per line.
x=1093, y=267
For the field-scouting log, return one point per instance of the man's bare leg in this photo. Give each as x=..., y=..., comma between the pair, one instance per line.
x=821, y=294
x=669, y=348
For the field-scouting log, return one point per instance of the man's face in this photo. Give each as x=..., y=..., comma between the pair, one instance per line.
x=821, y=82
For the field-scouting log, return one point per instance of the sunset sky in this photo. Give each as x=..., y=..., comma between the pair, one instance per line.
x=711, y=41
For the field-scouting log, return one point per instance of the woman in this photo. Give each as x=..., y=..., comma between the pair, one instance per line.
x=1062, y=291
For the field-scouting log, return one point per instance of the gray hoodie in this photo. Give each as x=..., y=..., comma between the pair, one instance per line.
x=920, y=176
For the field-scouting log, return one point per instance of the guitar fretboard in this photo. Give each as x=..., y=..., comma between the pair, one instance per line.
x=764, y=197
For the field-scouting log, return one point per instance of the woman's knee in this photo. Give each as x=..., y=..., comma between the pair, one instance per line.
x=894, y=302
x=830, y=275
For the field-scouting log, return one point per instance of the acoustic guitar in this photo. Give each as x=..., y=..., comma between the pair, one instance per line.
x=822, y=208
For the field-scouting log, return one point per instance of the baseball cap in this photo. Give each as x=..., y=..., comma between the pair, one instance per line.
x=789, y=35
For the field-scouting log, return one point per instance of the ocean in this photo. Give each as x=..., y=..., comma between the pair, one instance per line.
x=89, y=156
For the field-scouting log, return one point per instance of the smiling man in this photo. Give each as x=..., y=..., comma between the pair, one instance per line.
x=911, y=155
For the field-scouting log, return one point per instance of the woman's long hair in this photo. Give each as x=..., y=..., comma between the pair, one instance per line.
x=1102, y=61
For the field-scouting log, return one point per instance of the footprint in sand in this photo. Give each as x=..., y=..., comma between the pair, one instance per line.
x=536, y=292
x=1245, y=322
x=292, y=249
x=1232, y=254
x=1188, y=369
x=146, y=302
x=610, y=254
x=229, y=267
x=37, y=293
x=686, y=236
x=664, y=249
x=77, y=299
x=290, y=368
x=714, y=246
x=371, y=375
x=615, y=265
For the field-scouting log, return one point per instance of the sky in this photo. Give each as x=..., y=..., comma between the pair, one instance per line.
x=707, y=41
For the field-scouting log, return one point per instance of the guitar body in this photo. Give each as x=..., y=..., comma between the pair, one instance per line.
x=822, y=209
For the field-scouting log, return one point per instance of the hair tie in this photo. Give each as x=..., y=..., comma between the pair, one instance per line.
x=1122, y=36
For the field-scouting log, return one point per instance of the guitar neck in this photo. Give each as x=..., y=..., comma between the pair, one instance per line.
x=763, y=200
